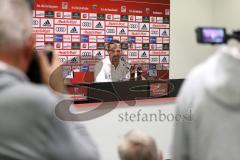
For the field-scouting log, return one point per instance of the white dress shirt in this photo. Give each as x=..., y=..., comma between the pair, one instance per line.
x=104, y=71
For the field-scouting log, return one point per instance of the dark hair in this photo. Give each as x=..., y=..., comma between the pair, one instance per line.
x=112, y=42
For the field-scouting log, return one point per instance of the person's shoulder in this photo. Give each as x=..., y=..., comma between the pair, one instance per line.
x=32, y=94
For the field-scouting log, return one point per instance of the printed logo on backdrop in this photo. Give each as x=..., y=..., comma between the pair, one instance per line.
x=49, y=14
x=86, y=24
x=76, y=15
x=35, y=22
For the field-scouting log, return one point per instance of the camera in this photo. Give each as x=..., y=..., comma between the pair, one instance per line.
x=215, y=35
x=34, y=73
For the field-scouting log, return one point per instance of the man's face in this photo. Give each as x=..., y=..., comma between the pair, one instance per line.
x=115, y=53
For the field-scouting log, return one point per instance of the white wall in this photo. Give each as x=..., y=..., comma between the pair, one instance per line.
x=107, y=129
x=226, y=14
x=185, y=53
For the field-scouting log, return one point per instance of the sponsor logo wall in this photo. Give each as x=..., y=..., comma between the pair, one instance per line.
x=79, y=31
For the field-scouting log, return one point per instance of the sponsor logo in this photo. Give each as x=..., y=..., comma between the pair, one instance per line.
x=131, y=18
x=145, y=46
x=40, y=45
x=84, y=15
x=58, y=15
x=39, y=37
x=58, y=45
x=166, y=20
x=92, y=46
x=159, y=40
x=133, y=26
x=131, y=39
x=49, y=14
x=138, y=18
x=98, y=25
x=73, y=29
x=124, y=17
x=159, y=46
x=111, y=31
x=165, y=46
x=67, y=52
x=62, y=59
x=109, y=17
x=67, y=46
x=164, y=32
x=86, y=24
x=138, y=39
x=49, y=38
x=86, y=54
x=164, y=59
x=153, y=19
x=100, y=39
x=144, y=54
x=100, y=46
x=35, y=22
x=124, y=46
x=101, y=16
x=92, y=39
x=166, y=40
x=76, y=15
x=73, y=60
x=98, y=53
x=40, y=14
x=92, y=32
x=67, y=21
x=153, y=39
x=42, y=31
x=84, y=45
x=67, y=15
x=75, y=45
x=67, y=38
x=154, y=32
x=64, y=5
x=145, y=39
x=58, y=38
x=153, y=47
x=122, y=31
x=136, y=33
x=117, y=38
x=159, y=19
x=117, y=24
x=60, y=29
x=92, y=16
x=84, y=68
x=123, y=9
x=116, y=17
x=85, y=39
x=47, y=23
x=146, y=19
x=132, y=54
x=144, y=26
x=139, y=46
x=154, y=59
x=76, y=38
x=138, y=61
x=108, y=39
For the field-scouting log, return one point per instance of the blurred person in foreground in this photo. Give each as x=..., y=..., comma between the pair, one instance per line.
x=137, y=145
x=112, y=68
x=29, y=129
x=212, y=93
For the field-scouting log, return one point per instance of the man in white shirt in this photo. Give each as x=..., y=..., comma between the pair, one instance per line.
x=112, y=68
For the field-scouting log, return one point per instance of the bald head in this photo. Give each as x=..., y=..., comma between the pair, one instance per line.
x=16, y=40
x=137, y=145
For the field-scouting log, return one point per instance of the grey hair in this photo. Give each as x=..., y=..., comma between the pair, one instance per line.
x=137, y=145
x=15, y=24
